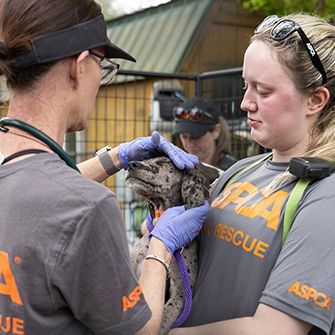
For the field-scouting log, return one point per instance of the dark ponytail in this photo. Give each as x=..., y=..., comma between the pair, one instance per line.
x=21, y=21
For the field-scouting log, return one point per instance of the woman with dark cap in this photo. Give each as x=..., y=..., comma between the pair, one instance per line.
x=64, y=259
x=203, y=132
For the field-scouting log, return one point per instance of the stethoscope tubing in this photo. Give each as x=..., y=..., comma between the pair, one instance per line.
x=54, y=146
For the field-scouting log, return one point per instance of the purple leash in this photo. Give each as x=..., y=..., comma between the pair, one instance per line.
x=187, y=290
x=150, y=225
x=185, y=279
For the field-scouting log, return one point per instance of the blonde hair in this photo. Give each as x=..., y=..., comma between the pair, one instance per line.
x=293, y=56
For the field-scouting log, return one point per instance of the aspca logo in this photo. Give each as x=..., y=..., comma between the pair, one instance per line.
x=306, y=292
x=311, y=49
x=8, y=285
x=131, y=300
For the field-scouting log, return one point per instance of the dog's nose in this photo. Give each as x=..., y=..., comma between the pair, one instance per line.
x=134, y=164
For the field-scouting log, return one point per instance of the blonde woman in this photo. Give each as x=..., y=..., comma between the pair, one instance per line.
x=248, y=282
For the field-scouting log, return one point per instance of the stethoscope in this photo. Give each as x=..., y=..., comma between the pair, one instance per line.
x=54, y=146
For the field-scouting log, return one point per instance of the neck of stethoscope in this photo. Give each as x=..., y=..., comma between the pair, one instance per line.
x=38, y=134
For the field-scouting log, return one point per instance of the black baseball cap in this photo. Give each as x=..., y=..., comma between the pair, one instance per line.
x=197, y=128
x=69, y=42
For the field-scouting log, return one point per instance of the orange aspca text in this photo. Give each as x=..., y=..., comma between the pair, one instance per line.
x=268, y=208
x=240, y=239
x=131, y=300
x=8, y=287
x=306, y=292
x=9, y=325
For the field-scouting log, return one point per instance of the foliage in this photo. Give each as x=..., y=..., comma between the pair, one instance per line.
x=325, y=8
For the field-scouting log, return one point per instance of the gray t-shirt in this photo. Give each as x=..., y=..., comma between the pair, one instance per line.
x=64, y=259
x=242, y=262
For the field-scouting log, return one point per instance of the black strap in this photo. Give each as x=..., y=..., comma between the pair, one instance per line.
x=21, y=153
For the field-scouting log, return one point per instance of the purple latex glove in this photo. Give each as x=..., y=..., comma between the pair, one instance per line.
x=147, y=147
x=177, y=227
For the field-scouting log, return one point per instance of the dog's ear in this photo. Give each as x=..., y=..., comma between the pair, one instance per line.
x=194, y=188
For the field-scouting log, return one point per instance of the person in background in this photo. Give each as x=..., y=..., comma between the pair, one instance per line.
x=203, y=132
x=251, y=280
x=64, y=258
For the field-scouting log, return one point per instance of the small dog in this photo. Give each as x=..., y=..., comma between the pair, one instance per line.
x=159, y=181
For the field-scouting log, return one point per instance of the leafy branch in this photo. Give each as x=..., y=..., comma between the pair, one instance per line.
x=324, y=8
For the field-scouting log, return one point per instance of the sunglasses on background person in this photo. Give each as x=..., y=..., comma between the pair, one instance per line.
x=194, y=114
x=282, y=29
x=109, y=69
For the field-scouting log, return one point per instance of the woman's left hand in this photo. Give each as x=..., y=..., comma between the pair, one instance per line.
x=147, y=147
x=177, y=227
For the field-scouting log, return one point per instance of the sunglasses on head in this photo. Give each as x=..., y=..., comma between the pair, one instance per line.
x=282, y=29
x=194, y=114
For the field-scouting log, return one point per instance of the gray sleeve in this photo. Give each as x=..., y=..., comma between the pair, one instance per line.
x=94, y=274
x=302, y=283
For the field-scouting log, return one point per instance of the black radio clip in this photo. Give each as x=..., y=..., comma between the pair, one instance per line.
x=311, y=168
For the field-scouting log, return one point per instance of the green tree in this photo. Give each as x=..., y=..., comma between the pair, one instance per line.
x=325, y=8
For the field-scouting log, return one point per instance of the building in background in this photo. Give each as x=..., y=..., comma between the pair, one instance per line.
x=185, y=36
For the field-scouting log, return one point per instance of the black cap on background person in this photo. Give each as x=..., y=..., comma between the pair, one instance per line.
x=196, y=117
x=202, y=131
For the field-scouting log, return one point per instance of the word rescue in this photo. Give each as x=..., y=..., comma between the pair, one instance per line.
x=239, y=239
x=268, y=207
